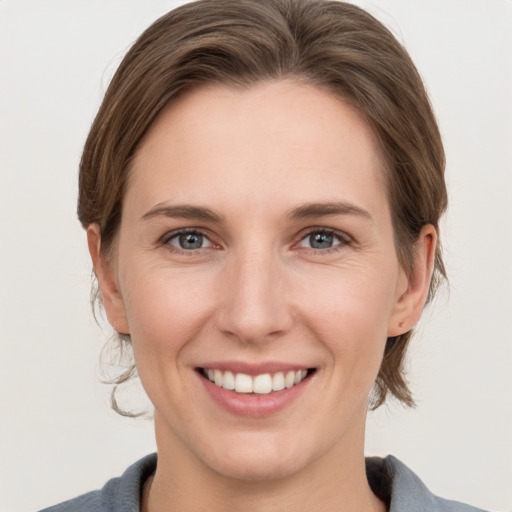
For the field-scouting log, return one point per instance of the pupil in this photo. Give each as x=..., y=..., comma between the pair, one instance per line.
x=321, y=240
x=191, y=241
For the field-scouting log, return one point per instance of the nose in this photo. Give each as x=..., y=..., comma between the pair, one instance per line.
x=253, y=304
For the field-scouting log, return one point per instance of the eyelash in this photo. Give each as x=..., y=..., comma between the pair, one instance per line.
x=166, y=239
x=343, y=238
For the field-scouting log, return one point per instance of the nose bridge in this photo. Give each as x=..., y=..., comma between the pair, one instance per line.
x=254, y=304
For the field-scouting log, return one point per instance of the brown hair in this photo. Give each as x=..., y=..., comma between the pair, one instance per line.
x=329, y=44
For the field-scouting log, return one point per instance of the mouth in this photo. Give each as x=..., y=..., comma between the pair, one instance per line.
x=262, y=384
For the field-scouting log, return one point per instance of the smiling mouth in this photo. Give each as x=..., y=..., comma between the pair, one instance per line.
x=262, y=384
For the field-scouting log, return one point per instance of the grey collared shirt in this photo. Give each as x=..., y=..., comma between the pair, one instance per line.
x=389, y=478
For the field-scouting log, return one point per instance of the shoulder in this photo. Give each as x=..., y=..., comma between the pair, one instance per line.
x=120, y=494
x=90, y=502
x=394, y=482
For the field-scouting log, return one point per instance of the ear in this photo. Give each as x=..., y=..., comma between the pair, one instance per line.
x=413, y=287
x=107, y=281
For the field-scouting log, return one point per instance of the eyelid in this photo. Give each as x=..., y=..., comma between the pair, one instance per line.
x=168, y=236
x=344, y=238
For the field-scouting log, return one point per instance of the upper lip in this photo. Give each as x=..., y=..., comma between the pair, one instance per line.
x=251, y=368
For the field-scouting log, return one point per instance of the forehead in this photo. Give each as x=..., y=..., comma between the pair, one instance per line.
x=275, y=141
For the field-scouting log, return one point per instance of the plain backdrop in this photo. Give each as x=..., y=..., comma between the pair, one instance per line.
x=58, y=437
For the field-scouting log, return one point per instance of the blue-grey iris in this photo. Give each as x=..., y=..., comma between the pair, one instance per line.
x=321, y=240
x=191, y=241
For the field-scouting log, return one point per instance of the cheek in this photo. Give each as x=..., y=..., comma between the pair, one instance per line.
x=165, y=309
x=349, y=299
x=349, y=312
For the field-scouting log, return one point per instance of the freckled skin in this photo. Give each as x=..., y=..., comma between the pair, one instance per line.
x=256, y=290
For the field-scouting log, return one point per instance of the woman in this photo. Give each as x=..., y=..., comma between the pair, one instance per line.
x=261, y=191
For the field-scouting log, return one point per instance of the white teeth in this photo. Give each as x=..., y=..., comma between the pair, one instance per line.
x=289, y=380
x=243, y=383
x=229, y=381
x=278, y=381
x=262, y=384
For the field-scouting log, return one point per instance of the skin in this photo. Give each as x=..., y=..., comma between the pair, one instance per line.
x=257, y=291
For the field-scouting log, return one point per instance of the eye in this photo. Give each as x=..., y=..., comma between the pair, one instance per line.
x=322, y=239
x=189, y=240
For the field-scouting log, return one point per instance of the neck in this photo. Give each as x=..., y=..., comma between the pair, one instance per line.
x=337, y=480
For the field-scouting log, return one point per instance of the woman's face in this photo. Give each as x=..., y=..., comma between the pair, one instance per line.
x=256, y=250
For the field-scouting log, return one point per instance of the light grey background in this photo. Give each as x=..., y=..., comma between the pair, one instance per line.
x=58, y=437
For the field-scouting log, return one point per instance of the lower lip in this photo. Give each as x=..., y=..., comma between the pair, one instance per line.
x=253, y=405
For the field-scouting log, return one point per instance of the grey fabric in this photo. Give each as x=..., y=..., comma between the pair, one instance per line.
x=405, y=491
x=389, y=478
x=118, y=495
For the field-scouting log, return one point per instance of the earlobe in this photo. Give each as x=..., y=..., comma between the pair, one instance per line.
x=409, y=305
x=107, y=281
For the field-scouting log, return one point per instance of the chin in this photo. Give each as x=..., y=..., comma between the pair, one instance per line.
x=257, y=469
x=258, y=460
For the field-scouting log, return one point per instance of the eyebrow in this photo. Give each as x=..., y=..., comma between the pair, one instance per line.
x=312, y=210
x=302, y=212
x=183, y=212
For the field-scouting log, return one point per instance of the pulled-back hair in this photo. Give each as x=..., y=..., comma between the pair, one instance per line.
x=239, y=43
